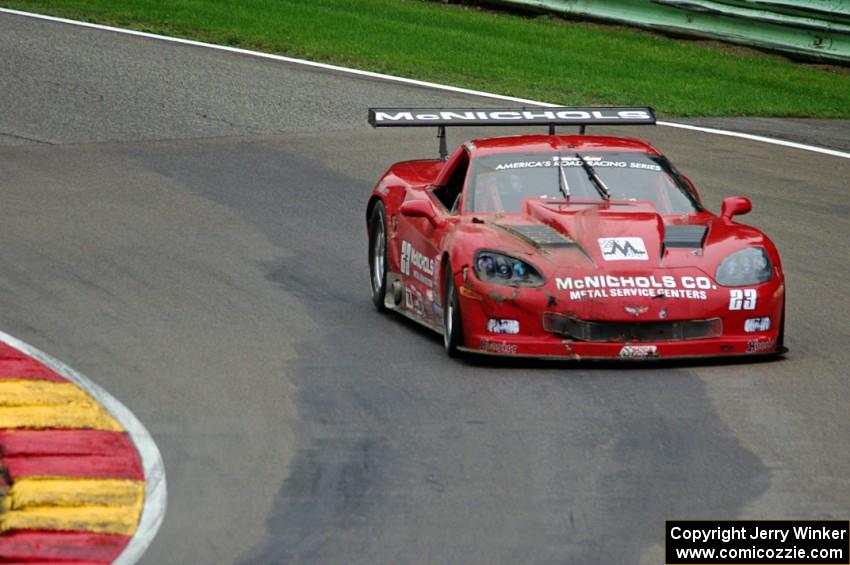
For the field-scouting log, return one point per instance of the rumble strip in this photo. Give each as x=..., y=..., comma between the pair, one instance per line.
x=80, y=477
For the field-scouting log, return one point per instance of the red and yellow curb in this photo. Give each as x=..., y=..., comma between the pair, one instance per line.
x=71, y=480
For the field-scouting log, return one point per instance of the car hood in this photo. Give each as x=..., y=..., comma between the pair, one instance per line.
x=620, y=235
x=610, y=237
x=598, y=258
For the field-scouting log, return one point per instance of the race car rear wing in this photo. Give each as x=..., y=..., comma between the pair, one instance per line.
x=442, y=117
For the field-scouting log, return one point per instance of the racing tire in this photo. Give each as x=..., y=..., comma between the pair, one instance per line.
x=780, y=339
x=378, y=256
x=452, y=327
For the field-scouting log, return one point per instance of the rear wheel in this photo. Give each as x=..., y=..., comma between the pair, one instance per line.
x=452, y=328
x=378, y=255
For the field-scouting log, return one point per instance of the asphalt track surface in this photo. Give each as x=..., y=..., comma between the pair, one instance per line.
x=186, y=228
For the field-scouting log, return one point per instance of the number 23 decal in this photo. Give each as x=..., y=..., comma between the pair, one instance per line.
x=742, y=299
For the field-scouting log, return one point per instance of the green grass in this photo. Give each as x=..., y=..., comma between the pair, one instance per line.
x=539, y=58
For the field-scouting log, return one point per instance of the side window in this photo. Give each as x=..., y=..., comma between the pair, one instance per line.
x=449, y=193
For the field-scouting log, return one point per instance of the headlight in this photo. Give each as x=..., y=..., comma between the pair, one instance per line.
x=744, y=267
x=497, y=268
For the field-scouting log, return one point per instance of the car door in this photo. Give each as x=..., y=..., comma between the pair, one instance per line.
x=419, y=263
x=420, y=240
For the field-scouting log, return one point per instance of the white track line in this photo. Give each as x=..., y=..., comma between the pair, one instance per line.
x=760, y=138
x=413, y=82
x=153, y=511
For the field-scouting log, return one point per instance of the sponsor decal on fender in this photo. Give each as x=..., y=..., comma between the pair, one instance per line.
x=413, y=300
x=611, y=286
x=639, y=351
x=499, y=326
x=411, y=255
x=636, y=310
x=761, y=346
x=423, y=279
x=500, y=347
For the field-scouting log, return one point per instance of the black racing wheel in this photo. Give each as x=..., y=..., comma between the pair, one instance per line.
x=378, y=255
x=452, y=327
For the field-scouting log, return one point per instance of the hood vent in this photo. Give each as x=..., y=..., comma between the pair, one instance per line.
x=684, y=236
x=540, y=235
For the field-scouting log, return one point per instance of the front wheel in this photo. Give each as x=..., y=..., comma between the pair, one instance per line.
x=378, y=255
x=452, y=328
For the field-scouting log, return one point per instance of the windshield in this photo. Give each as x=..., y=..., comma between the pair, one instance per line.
x=501, y=183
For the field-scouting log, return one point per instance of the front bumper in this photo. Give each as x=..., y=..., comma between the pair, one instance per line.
x=556, y=348
x=669, y=329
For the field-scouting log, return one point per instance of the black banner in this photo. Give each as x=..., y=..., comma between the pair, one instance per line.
x=599, y=115
x=760, y=542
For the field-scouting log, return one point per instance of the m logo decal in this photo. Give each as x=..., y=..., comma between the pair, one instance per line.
x=623, y=249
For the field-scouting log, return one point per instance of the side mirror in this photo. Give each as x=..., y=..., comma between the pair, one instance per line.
x=420, y=209
x=735, y=206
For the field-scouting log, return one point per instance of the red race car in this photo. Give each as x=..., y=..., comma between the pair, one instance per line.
x=567, y=246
